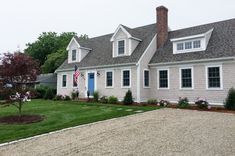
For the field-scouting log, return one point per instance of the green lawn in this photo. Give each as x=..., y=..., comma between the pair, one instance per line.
x=59, y=115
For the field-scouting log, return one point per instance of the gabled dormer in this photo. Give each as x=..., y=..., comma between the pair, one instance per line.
x=76, y=52
x=192, y=43
x=124, y=41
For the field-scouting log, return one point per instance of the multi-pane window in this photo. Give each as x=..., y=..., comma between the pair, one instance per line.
x=64, y=80
x=74, y=52
x=74, y=82
x=197, y=44
x=146, y=78
x=186, y=78
x=163, y=78
x=214, y=77
x=188, y=45
x=121, y=47
x=126, y=78
x=180, y=46
x=109, y=79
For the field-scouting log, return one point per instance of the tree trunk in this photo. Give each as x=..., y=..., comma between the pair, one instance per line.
x=20, y=106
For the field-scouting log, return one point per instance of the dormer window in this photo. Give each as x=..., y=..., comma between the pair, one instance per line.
x=121, y=47
x=193, y=43
x=74, y=54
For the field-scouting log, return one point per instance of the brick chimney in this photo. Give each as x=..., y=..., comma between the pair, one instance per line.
x=162, y=25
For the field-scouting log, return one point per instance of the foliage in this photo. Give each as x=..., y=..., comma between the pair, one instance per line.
x=164, y=103
x=112, y=100
x=58, y=97
x=50, y=49
x=49, y=94
x=152, y=101
x=74, y=95
x=202, y=103
x=104, y=99
x=67, y=98
x=96, y=96
x=183, y=102
x=230, y=100
x=128, y=99
x=19, y=69
x=41, y=91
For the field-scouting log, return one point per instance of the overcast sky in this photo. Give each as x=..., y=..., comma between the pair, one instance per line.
x=23, y=20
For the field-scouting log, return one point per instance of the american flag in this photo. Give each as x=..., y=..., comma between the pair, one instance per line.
x=76, y=73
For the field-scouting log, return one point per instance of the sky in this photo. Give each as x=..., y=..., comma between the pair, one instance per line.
x=22, y=21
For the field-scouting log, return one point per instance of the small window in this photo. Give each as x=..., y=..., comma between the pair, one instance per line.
x=109, y=79
x=121, y=47
x=74, y=82
x=214, y=77
x=186, y=78
x=146, y=78
x=74, y=53
x=126, y=78
x=188, y=45
x=197, y=44
x=180, y=46
x=163, y=79
x=64, y=80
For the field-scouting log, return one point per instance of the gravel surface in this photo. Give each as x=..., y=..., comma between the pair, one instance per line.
x=160, y=132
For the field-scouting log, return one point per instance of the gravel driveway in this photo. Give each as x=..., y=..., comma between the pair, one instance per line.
x=160, y=132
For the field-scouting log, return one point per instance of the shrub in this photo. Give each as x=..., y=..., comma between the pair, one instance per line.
x=58, y=97
x=96, y=96
x=112, y=100
x=202, y=103
x=104, y=99
x=33, y=93
x=183, y=102
x=74, y=95
x=152, y=101
x=128, y=99
x=164, y=103
x=41, y=91
x=230, y=100
x=67, y=98
x=49, y=94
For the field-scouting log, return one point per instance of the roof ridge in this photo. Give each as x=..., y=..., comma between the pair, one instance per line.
x=203, y=25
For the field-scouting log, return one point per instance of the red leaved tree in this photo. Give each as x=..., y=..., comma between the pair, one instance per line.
x=19, y=69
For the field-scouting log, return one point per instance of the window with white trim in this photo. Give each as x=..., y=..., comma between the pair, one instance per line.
x=163, y=79
x=187, y=46
x=146, y=78
x=121, y=47
x=197, y=44
x=74, y=55
x=64, y=80
x=186, y=78
x=180, y=46
x=126, y=78
x=109, y=79
x=214, y=77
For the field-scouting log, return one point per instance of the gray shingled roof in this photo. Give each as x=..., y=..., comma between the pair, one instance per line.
x=221, y=43
x=101, y=46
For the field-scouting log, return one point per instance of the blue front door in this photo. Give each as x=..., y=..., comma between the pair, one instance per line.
x=91, y=83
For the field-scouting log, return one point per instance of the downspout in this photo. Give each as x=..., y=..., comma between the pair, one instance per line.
x=138, y=83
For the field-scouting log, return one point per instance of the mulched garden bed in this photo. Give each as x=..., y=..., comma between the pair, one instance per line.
x=24, y=119
x=213, y=109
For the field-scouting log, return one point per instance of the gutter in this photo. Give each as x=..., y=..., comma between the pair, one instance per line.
x=193, y=61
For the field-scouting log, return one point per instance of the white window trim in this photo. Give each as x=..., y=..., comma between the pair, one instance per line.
x=175, y=51
x=62, y=81
x=221, y=77
x=75, y=55
x=112, y=79
x=122, y=78
x=180, y=78
x=158, y=78
x=144, y=78
x=124, y=48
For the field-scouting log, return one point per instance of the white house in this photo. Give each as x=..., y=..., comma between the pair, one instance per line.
x=154, y=62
